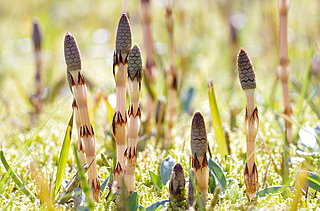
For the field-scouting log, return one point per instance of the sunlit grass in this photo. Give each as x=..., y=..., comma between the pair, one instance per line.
x=202, y=54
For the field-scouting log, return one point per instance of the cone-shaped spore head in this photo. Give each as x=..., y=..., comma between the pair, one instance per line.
x=177, y=180
x=123, y=37
x=246, y=72
x=36, y=35
x=135, y=63
x=199, y=142
x=71, y=53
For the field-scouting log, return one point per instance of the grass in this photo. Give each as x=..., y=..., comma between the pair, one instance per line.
x=201, y=37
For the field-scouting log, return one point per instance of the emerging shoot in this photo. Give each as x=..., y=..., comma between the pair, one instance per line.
x=248, y=84
x=199, y=147
x=80, y=105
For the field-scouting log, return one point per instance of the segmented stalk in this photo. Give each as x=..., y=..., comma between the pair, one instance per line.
x=146, y=20
x=120, y=73
x=248, y=84
x=37, y=40
x=171, y=76
x=284, y=65
x=79, y=91
x=135, y=77
x=177, y=183
x=199, y=147
x=80, y=145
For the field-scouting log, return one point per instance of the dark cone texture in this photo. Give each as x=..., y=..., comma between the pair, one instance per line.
x=246, y=72
x=71, y=53
x=135, y=64
x=36, y=35
x=199, y=142
x=177, y=181
x=123, y=38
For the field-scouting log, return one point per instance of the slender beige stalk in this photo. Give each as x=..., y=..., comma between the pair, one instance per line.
x=171, y=76
x=159, y=119
x=146, y=20
x=125, y=6
x=284, y=65
x=120, y=73
x=80, y=146
x=199, y=147
x=135, y=77
x=79, y=91
x=177, y=193
x=37, y=40
x=248, y=83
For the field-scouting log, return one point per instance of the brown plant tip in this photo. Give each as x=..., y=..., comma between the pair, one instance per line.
x=177, y=180
x=131, y=113
x=130, y=152
x=246, y=72
x=80, y=147
x=71, y=53
x=36, y=35
x=199, y=142
x=135, y=64
x=85, y=131
x=254, y=116
x=117, y=169
x=81, y=80
x=251, y=182
x=118, y=120
x=96, y=189
x=196, y=163
x=74, y=104
x=123, y=37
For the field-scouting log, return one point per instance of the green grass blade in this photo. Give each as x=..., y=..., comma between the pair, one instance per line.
x=109, y=109
x=154, y=206
x=133, y=201
x=166, y=168
x=83, y=181
x=105, y=184
x=15, y=178
x=217, y=125
x=217, y=170
x=155, y=179
x=272, y=190
x=303, y=92
x=298, y=88
x=313, y=180
x=63, y=156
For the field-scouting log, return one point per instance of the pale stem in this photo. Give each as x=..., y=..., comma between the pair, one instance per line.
x=250, y=101
x=121, y=100
x=250, y=155
x=120, y=154
x=81, y=154
x=133, y=131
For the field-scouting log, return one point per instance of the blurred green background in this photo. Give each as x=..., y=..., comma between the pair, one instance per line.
x=204, y=51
